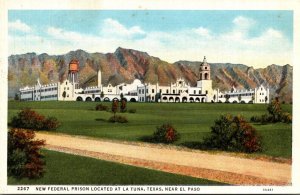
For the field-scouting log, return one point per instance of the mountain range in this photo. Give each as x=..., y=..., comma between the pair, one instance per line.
x=125, y=65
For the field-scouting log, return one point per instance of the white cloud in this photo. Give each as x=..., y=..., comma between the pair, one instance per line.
x=234, y=46
x=113, y=27
x=19, y=26
x=243, y=22
x=203, y=31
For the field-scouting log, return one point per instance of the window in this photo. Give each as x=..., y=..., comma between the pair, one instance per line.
x=68, y=88
x=199, y=91
x=146, y=90
x=152, y=90
x=206, y=92
x=167, y=91
x=143, y=91
x=66, y=82
x=139, y=92
x=173, y=91
x=194, y=91
x=160, y=91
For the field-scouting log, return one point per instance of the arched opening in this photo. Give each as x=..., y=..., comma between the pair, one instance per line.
x=171, y=99
x=106, y=99
x=115, y=99
x=202, y=100
x=165, y=99
x=234, y=102
x=177, y=99
x=197, y=100
x=132, y=100
x=206, y=76
x=184, y=99
x=88, y=99
x=79, y=99
x=191, y=99
x=97, y=99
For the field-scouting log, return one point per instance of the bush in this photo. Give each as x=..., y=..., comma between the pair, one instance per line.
x=123, y=105
x=101, y=107
x=165, y=134
x=24, y=158
x=274, y=109
x=266, y=118
x=29, y=119
x=286, y=117
x=118, y=118
x=255, y=119
x=233, y=134
x=51, y=123
x=132, y=110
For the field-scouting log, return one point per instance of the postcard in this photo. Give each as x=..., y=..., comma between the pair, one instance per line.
x=156, y=97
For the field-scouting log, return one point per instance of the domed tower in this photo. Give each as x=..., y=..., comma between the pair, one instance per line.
x=204, y=70
x=73, y=72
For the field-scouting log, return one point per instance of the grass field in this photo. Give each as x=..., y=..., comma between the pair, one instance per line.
x=64, y=169
x=192, y=120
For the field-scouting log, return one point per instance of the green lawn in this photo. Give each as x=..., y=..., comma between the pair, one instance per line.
x=64, y=169
x=192, y=120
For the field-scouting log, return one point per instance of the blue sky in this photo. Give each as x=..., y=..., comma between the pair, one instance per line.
x=256, y=38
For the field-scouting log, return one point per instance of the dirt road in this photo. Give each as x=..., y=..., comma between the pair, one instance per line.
x=218, y=167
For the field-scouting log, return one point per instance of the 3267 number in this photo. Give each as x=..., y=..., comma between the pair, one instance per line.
x=20, y=188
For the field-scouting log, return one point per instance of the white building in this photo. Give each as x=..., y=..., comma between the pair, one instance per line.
x=180, y=91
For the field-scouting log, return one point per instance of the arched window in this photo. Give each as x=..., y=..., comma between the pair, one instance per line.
x=206, y=76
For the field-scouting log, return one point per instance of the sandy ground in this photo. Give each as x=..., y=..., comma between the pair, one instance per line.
x=218, y=167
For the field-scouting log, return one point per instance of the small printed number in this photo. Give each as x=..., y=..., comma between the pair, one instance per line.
x=267, y=189
x=23, y=188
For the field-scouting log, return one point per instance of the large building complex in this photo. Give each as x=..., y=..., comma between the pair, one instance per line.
x=180, y=91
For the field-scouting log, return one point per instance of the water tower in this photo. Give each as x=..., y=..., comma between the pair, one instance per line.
x=73, y=72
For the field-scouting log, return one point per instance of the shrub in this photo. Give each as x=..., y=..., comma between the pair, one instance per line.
x=30, y=119
x=51, y=123
x=165, y=134
x=274, y=109
x=255, y=119
x=101, y=107
x=286, y=117
x=133, y=110
x=266, y=118
x=24, y=158
x=123, y=105
x=118, y=118
x=233, y=134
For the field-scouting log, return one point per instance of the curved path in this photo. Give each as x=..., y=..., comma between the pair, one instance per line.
x=218, y=167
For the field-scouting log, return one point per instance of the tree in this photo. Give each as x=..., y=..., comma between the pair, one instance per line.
x=16, y=97
x=114, y=107
x=227, y=97
x=266, y=99
x=23, y=154
x=274, y=109
x=64, y=94
x=240, y=97
x=102, y=95
x=123, y=105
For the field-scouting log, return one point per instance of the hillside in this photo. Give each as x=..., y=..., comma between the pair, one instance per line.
x=125, y=65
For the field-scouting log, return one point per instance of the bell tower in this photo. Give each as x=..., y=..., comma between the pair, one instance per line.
x=204, y=70
x=204, y=81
